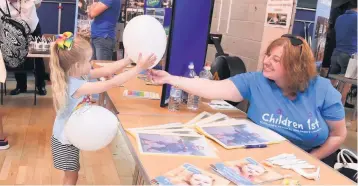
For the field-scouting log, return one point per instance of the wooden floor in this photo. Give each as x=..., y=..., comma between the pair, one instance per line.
x=29, y=159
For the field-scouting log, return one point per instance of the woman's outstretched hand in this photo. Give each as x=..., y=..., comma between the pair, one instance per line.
x=159, y=77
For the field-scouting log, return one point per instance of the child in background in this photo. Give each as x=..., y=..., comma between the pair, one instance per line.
x=70, y=70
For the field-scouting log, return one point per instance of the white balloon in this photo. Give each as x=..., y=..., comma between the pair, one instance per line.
x=91, y=128
x=144, y=34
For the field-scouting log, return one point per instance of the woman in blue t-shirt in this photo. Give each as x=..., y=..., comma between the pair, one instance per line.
x=287, y=97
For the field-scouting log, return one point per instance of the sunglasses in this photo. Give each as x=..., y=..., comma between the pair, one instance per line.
x=295, y=41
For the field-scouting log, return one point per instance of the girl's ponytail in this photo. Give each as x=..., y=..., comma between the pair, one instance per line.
x=58, y=79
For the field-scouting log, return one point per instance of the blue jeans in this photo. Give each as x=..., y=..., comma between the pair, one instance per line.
x=103, y=48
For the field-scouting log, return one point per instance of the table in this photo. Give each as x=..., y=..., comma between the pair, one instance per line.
x=31, y=55
x=340, y=77
x=140, y=113
x=344, y=80
x=149, y=168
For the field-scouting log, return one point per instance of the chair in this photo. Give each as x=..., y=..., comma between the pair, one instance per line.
x=225, y=67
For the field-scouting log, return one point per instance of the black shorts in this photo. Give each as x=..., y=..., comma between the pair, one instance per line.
x=339, y=62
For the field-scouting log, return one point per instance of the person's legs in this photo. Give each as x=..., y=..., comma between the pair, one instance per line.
x=21, y=78
x=40, y=66
x=66, y=158
x=343, y=62
x=3, y=141
x=70, y=178
x=103, y=48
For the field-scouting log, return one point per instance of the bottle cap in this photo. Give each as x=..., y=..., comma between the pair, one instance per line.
x=191, y=65
x=207, y=68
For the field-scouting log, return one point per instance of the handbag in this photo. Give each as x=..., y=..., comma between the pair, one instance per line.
x=352, y=68
x=14, y=38
x=347, y=164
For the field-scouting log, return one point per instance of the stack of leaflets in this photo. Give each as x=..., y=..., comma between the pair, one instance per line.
x=188, y=174
x=246, y=172
x=233, y=133
x=221, y=105
x=172, y=139
x=141, y=94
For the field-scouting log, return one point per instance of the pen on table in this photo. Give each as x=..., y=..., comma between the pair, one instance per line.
x=255, y=146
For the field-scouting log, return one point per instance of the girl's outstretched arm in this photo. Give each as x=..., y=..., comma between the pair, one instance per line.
x=102, y=86
x=109, y=69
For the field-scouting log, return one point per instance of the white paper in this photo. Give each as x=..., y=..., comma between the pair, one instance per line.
x=352, y=68
x=221, y=105
x=279, y=13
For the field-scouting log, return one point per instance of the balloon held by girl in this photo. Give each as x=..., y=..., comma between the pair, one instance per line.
x=70, y=71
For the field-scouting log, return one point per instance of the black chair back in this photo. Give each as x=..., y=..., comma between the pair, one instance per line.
x=225, y=67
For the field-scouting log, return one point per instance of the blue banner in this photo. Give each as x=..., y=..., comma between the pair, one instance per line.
x=320, y=30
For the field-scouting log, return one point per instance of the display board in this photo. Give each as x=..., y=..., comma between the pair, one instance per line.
x=320, y=30
x=188, y=38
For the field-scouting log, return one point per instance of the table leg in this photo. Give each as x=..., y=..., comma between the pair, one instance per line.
x=101, y=100
x=35, y=80
x=135, y=175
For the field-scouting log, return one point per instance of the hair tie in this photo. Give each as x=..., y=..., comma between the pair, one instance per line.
x=64, y=41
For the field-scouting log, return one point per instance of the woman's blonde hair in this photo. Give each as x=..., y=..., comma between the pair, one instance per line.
x=298, y=62
x=62, y=62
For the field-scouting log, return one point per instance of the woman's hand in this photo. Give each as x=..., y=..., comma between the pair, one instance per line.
x=145, y=63
x=159, y=77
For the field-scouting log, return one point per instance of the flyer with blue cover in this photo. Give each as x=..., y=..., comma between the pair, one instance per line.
x=188, y=174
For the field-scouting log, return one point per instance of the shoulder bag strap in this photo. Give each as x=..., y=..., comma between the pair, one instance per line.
x=8, y=9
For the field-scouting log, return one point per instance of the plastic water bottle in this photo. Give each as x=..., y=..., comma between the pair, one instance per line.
x=206, y=73
x=174, y=99
x=189, y=74
x=193, y=101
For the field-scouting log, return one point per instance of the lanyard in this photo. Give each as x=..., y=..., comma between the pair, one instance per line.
x=18, y=10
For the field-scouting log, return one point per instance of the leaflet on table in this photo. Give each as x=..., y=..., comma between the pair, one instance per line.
x=206, y=118
x=141, y=94
x=170, y=131
x=221, y=105
x=246, y=172
x=174, y=144
x=188, y=174
x=239, y=133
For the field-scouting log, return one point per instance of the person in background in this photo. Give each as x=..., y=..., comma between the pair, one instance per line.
x=331, y=37
x=26, y=10
x=346, y=47
x=287, y=97
x=105, y=14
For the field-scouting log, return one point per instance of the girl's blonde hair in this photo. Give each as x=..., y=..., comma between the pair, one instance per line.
x=298, y=62
x=63, y=61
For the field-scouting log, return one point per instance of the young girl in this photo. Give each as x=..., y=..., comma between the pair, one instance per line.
x=70, y=70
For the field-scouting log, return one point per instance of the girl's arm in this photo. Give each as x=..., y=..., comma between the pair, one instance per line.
x=109, y=69
x=102, y=86
x=337, y=135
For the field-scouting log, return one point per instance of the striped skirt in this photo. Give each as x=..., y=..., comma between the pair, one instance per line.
x=65, y=157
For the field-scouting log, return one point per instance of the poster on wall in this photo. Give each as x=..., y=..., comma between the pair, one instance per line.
x=320, y=30
x=279, y=13
x=83, y=21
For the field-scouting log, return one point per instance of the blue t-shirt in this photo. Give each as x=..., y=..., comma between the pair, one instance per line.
x=73, y=84
x=104, y=25
x=346, y=32
x=301, y=121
